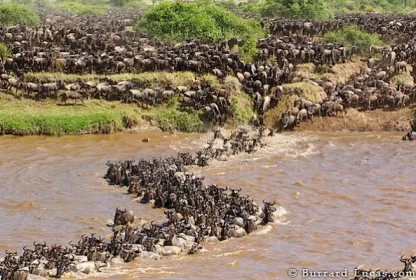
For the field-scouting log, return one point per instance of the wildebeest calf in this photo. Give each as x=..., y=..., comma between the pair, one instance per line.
x=74, y=95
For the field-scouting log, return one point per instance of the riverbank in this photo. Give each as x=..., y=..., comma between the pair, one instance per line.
x=365, y=121
x=24, y=116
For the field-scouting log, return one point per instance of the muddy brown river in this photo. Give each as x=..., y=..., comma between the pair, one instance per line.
x=349, y=200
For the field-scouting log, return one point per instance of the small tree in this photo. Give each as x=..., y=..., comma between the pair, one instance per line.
x=12, y=14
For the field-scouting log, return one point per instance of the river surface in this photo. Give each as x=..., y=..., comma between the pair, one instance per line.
x=350, y=200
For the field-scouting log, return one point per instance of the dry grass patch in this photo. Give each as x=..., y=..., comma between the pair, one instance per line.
x=291, y=93
x=156, y=79
x=403, y=78
x=337, y=73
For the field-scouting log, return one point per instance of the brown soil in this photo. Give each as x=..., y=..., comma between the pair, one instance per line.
x=377, y=120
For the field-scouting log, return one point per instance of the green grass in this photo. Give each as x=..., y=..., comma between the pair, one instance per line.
x=169, y=117
x=28, y=117
x=50, y=117
x=4, y=51
x=82, y=9
x=241, y=103
x=353, y=36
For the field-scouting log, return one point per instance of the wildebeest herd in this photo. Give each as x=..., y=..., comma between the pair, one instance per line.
x=103, y=45
x=195, y=213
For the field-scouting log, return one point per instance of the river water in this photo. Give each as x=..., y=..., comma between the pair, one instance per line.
x=349, y=200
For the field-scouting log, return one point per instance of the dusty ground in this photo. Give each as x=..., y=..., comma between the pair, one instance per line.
x=377, y=120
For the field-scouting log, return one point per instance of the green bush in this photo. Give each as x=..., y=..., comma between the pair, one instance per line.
x=81, y=9
x=138, y=4
x=297, y=9
x=12, y=14
x=179, y=21
x=353, y=36
x=4, y=51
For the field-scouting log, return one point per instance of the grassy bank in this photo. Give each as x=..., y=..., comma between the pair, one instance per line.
x=29, y=117
x=50, y=117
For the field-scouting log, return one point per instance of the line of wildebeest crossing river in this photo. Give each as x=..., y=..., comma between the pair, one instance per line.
x=195, y=213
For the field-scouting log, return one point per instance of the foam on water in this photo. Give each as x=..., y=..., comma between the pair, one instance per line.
x=262, y=230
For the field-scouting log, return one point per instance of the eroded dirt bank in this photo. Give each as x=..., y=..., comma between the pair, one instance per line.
x=364, y=121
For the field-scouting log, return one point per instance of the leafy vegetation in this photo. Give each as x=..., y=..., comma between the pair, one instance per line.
x=12, y=14
x=179, y=21
x=353, y=36
x=4, y=51
x=77, y=8
x=170, y=116
x=297, y=9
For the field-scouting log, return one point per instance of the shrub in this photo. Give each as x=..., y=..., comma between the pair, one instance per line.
x=4, y=51
x=81, y=9
x=298, y=9
x=138, y=4
x=179, y=21
x=12, y=14
x=353, y=36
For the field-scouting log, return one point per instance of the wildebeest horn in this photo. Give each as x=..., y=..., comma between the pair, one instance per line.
x=402, y=259
x=34, y=243
x=239, y=190
x=263, y=201
x=24, y=248
x=44, y=243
